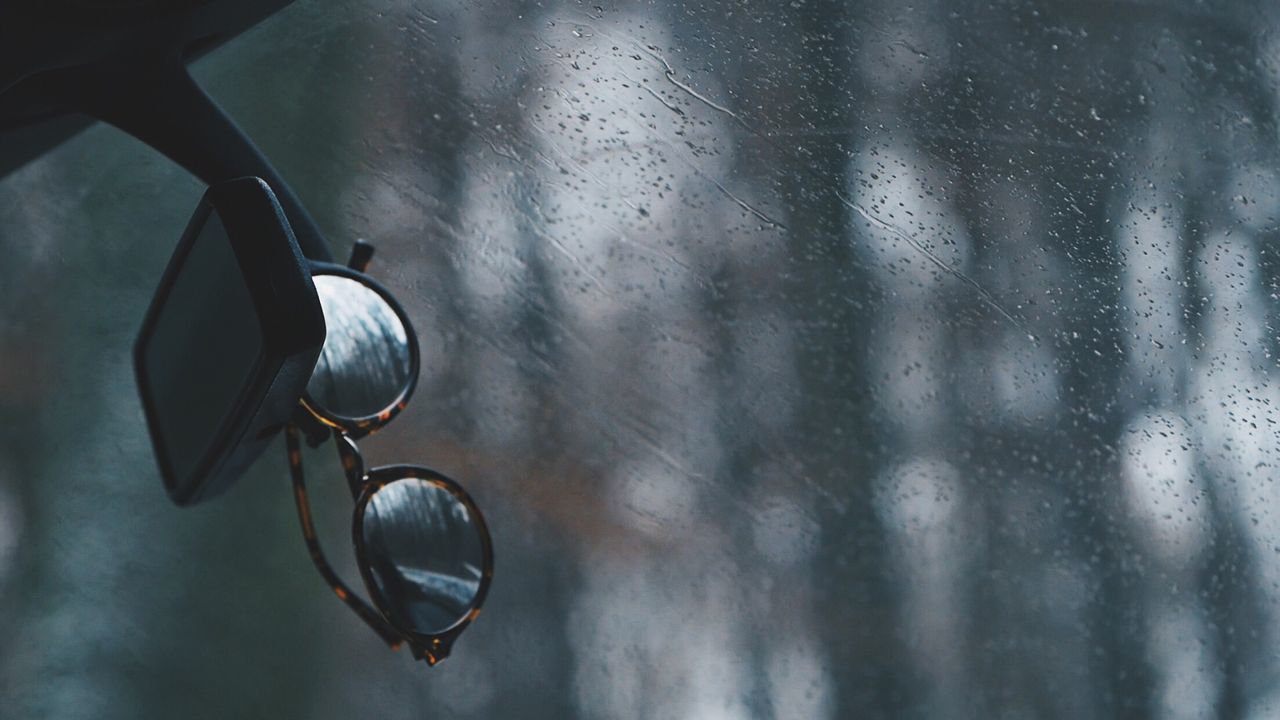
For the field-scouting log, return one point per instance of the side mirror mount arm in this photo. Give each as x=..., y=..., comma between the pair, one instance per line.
x=156, y=100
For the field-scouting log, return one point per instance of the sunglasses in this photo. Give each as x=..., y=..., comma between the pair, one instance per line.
x=421, y=544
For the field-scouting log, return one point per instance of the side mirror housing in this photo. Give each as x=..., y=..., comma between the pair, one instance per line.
x=229, y=341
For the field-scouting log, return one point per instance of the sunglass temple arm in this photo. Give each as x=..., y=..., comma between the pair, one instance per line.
x=344, y=593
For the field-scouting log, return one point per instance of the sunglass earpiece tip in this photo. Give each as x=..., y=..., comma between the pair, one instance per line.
x=361, y=254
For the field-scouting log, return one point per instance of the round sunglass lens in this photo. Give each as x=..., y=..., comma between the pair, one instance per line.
x=425, y=554
x=365, y=364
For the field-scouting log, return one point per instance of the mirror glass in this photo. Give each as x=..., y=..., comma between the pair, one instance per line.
x=425, y=553
x=365, y=364
x=196, y=357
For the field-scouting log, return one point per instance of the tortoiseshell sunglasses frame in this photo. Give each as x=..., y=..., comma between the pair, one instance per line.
x=358, y=427
x=318, y=424
x=432, y=647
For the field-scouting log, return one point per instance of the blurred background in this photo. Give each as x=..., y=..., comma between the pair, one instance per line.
x=809, y=360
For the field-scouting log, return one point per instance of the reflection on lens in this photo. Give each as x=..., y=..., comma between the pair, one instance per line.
x=424, y=550
x=365, y=364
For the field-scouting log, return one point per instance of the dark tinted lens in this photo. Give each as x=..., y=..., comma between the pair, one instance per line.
x=365, y=364
x=424, y=549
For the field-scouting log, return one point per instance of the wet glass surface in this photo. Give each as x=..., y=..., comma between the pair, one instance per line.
x=808, y=360
x=364, y=365
x=425, y=554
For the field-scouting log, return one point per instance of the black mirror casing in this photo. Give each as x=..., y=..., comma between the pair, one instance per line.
x=229, y=341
